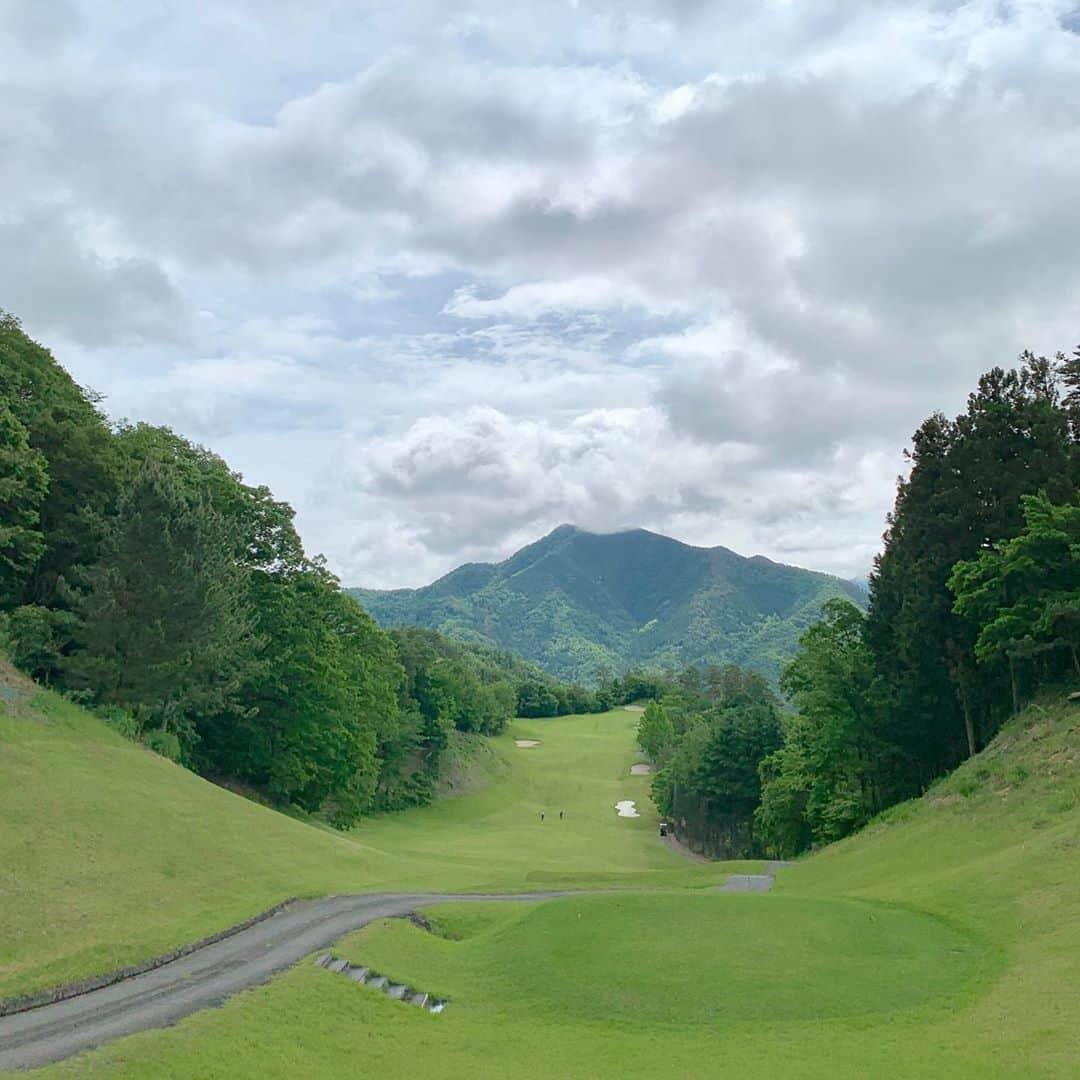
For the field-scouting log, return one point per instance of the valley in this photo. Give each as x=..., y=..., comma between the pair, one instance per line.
x=940, y=938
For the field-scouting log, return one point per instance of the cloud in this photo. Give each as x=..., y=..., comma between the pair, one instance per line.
x=446, y=276
x=54, y=278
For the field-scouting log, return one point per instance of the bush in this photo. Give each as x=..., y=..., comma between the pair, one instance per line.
x=165, y=743
x=34, y=639
x=120, y=720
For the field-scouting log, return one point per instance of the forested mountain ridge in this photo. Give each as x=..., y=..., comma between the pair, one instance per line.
x=577, y=603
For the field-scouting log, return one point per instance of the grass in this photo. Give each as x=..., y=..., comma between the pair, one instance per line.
x=110, y=854
x=943, y=941
x=653, y=959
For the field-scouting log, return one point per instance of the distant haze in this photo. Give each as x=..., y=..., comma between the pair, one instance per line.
x=445, y=275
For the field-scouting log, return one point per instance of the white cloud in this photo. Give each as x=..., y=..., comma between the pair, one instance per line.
x=447, y=276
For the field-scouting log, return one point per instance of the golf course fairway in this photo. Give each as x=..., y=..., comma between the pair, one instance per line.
x=944, y=940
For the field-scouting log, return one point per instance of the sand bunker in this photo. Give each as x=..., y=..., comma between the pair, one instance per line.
x=641, y=769
x=525, y=744
x=634, y=708
x=626, y=808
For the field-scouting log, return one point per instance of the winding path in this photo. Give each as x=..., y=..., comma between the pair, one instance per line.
x=246, y=958
x=203, y=978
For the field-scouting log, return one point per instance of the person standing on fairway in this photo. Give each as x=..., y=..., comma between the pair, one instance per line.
x=541, y=817
x=561, y=812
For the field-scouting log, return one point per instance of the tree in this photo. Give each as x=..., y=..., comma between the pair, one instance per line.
x=1068, y=369
x=535, y=698
x=34, y=639
x=164, y=627
x=317, y=704
x=23, y=486
x=264, y=536
x=712, y=784
x=962, y=495
x=1023, y=596
x=655, y=735
x=829, y=776
x=64, y=427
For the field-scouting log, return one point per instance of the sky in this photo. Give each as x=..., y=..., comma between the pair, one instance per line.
x=445, y=276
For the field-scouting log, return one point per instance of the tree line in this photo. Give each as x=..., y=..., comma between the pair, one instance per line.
x=974, y=608
x=143, y=577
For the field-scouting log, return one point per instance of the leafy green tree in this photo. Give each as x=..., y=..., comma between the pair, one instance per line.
x=164, y=628
x=828, y=778
x=712, y=785
x=63, y=426
x=317, y=703
x=535, y=698
x=23, y=486
x=264, y=537
x=34, y=640
x=1023, y=596
x=655, y=735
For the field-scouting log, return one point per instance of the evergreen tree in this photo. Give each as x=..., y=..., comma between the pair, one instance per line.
x=962, y=495
x=1068, y=368
x=164, y=626
x=712, y=784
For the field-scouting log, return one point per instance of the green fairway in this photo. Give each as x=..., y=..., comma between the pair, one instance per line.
x=943, y=941
x=110, y=854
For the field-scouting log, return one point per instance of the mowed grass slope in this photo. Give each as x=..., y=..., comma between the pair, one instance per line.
x=944, y=941
x=110, y=854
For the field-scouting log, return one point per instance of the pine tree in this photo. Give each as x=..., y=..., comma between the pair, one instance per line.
x=164, y=627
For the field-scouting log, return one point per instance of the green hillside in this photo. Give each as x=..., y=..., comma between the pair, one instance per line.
x=942, y=941
x=110, y=853
x=576, y=602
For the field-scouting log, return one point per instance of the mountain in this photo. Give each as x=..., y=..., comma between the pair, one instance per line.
x=577, y=602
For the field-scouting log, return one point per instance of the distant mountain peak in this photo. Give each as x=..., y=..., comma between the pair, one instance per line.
x=575, y=601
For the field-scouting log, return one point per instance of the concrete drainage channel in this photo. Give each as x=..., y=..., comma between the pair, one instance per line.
x=367, y=977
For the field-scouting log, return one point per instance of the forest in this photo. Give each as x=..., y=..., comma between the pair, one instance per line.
x=974, y=611
x=142, y=577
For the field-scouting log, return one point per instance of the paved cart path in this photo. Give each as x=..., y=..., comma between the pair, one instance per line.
x=203, y=978
x=209, y=975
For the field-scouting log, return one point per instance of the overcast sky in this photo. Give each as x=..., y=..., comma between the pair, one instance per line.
x=445, y=276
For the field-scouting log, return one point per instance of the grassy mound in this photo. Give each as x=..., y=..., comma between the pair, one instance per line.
x=686, y=960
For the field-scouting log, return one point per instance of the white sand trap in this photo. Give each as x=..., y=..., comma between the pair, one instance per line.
x=626, y=808
x=640, y=769
x=634, y=708
x=525, y=744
